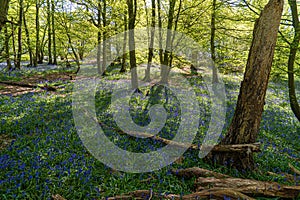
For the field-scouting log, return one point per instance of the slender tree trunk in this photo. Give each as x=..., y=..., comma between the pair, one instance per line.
x=246, y=120
x=104, y=48
x=7, y=53
x=151, y=50
x=14, y=44
x=292, y=57
x=19, y=54
x=37, y=59
x=131, y=23
x=3, y=12
x=49, y=22
x=28, y=40
x=159, y=32
x=99, y=10
x=173, y=38
x=53, y=32
x=124, y=56
x=212, y=41
x=164, y=67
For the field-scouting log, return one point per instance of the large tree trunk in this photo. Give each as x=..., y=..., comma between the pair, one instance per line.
x=132, y=6
x=99, y=38
x=292, y=56
x=246, y=120
x=3, y=12
x=159, y=31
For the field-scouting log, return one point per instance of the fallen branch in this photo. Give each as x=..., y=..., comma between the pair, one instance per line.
x=197, y=172
x=45, y=87
x=249, y=187
x=57, y=197
x=254, y=147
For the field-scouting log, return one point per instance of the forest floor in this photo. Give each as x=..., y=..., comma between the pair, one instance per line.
x=41, y=153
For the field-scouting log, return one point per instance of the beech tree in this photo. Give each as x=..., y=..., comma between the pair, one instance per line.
x=245, y=124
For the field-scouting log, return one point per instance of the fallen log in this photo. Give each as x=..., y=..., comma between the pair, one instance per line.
x=254, y=147
x=57, y=197
x=197, y=172
x=248, y=187
x=294, y=169
x=45, y=87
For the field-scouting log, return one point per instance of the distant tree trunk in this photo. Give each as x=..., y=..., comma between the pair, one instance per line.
x=37, y=59
x=159, y=32
x=173, y=38
x=151, y=50
x=164, y=67
x=7, y=53
x=292, y=56
x=212, y=41
x=19, y=54
x=124, y=56
x=49, y=22
x=14, y=43
x=3, y=12
x=132, y=6
x=104, y=47
x=246, y=120
x=99, y=10
x=28, y=40
x=53, y=32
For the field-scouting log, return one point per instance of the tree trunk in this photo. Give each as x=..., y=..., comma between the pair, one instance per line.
x=246, y=120
x=123, y=67
x=292, y=56
x=99, y=10
x=212, y=41
x=159, y=32
x=37, y=58
x=53, y=32
x=104, y=47
x=28, y=40
x=14, y=44
x=131, y=22
x=49, y=32
x=7, y=53
x=151, y=50
x=165, y=64
x=19, y=54
x=3, y=12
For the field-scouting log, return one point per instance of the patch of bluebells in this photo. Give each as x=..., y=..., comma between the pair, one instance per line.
x=47, y=156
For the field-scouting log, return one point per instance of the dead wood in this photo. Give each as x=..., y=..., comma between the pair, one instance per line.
x=45, y=87
x=197, y=172
x=57, y=197
x=249, y=187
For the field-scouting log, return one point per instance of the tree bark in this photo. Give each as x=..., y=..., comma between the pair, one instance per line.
x=151, y=50
x=49, y=22
x=212, y=41
x=53, y=32
x=28, y=40
x=292, y=57
x=246, y=120
x=3, y=13
x=132, y=5
x=164, y=67
x=104, y=47
x=19, y=54
x=7, y=53
x=124, y=56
